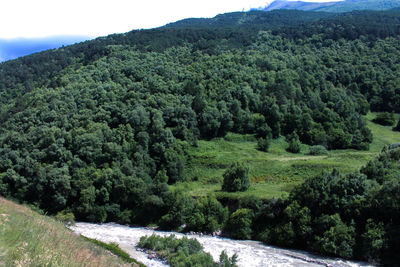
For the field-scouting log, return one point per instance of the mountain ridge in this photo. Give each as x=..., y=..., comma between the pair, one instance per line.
x=336, y=7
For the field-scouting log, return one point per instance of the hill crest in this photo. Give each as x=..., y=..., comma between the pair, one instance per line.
x=334, y=6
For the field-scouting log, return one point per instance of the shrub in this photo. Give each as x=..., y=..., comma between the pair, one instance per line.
x=263, y=144
x=239, y=224
x=236, y=178
x=208, y=216
x=385, y=119
x=184, y=252
x=66, y=217
x=317, y=150
x=397, y=127
x=294, y=144
x=225, y=261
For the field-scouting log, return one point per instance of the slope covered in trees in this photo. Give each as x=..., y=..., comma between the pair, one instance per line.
x=103, y=127
x=334, y=6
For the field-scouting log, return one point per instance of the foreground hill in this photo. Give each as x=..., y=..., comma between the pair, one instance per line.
x=107, y=128
x=335, y=6
x=30, y=239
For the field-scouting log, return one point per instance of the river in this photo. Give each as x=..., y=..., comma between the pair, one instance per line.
x=251, y=253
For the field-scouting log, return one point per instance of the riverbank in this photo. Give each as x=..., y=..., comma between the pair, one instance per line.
x=251, y=253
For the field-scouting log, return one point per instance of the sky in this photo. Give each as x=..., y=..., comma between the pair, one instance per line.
x=93, y=18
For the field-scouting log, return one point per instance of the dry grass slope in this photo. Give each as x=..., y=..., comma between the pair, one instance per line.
x=30, y=239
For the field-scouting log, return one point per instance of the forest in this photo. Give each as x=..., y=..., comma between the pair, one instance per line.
x=103, y=128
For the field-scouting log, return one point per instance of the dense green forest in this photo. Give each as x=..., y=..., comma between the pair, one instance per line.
x=103, y=128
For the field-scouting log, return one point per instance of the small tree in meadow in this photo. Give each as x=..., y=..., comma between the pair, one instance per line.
x=263, y=144
x=236, y=178
x=294, y=143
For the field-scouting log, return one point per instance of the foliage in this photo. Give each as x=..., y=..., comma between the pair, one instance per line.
x=205, y=215
x=114, y=249
x=236, y=178
x=385, y=118
x=65, y=217
x=225, y=261
x=397, y=127
x=104, y=129
x=317, y=150
x=334, y=214
x=183, y=251
x=294, y=143
x=263, y=144
x=208, y=216
x=239, y=224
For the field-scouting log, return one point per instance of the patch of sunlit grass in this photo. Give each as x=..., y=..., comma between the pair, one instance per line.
x=30, y=239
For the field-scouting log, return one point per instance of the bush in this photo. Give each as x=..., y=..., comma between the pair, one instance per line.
x=294, y=144
x=338, y=239
x=236, y=178
x=208, y=216
x=317, y=150
x=263, y=144
x=66, y=217
x=225, y=261
x=385, y=119
x=239, y=224
x=184, y=252
x=397, y=127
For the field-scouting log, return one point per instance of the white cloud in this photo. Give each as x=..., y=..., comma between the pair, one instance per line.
x=40, y=18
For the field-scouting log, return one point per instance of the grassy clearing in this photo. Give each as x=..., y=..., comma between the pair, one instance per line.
x=274, y=173
x=30, y=239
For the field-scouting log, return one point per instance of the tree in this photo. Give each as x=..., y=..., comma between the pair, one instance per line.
x=239, y=224
x=236, y=178
x=294, y=143
x=263, y=144
x=338, y=239
x=225, y=261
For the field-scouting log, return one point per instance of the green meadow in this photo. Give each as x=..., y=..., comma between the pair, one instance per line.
x=273, y=173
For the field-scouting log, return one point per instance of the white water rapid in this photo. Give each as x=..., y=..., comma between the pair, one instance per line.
x=251, y=253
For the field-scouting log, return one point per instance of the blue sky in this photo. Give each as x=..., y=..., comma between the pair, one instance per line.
x=43, y=18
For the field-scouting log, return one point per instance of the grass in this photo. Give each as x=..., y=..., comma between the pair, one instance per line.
x=276, y=172
x=30, y=239
x=114, y=249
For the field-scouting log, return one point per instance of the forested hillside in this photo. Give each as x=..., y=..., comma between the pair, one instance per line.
x=103, y=128
x=334, y=6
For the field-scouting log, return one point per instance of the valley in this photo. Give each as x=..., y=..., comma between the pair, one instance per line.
x=265, y=126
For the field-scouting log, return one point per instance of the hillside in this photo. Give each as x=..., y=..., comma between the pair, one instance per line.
x=140, y=128
x=30, y=239
x=276, y=173
x=297, y=5
x=335, y=6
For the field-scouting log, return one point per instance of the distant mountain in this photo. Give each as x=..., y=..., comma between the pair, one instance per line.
x=338, y=7
x=299, y=5
x=254, y=18
x=14, y=48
